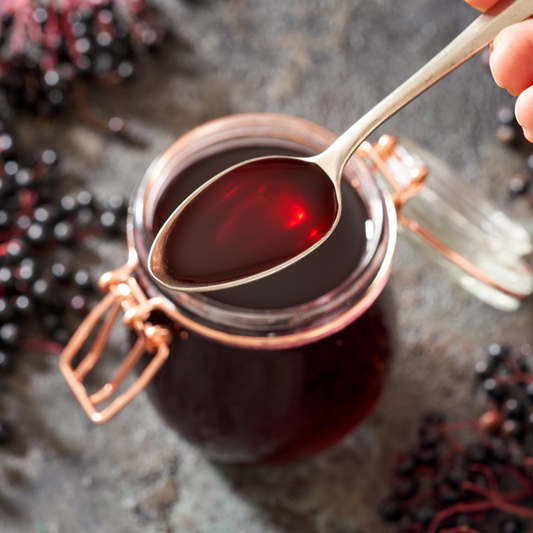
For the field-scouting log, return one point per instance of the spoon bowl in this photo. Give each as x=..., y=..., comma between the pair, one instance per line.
x=247, y=222
x=263, y=215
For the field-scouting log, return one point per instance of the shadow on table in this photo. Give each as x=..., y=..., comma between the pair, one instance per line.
x=336, y=492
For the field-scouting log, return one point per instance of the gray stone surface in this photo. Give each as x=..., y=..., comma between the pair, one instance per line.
x=328, y=61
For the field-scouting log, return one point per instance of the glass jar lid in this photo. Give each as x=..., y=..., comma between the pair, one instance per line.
x=480, y=247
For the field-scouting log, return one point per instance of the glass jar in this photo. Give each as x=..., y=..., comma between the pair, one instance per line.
x=282, y=375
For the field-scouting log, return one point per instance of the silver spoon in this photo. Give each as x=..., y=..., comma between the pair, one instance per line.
x=333, y=160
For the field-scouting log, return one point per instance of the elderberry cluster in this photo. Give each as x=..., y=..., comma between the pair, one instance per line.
x=510, y=133
x=44, y=290
x=49, y=50
x=450, y=485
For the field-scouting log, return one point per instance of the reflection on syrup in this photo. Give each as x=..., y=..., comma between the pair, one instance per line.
x=252, y=219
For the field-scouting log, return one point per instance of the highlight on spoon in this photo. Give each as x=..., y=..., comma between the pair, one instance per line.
x=244, y=224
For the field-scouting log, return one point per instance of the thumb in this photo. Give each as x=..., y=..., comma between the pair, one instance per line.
x=482, y=5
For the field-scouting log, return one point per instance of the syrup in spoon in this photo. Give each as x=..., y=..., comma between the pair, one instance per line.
x=263, y=215
x=252, y=219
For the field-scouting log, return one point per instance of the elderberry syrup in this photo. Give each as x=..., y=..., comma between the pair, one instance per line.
x=254, y=218
x=284, y=367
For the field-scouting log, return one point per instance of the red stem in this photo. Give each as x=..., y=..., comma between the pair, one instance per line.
x=458, y=508
x=488, y=473
x=42, y=346
x=460, y=529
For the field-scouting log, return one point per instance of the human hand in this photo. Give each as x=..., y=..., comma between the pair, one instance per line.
x=511, y=65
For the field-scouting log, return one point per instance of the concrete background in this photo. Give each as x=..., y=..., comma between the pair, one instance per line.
x=328, y=61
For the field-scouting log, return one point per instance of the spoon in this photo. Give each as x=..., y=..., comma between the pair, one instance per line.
x=263, y=215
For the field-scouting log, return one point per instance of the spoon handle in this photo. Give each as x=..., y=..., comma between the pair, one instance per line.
x=475, y=37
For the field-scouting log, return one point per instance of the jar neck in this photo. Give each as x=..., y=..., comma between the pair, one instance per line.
x=332, y=310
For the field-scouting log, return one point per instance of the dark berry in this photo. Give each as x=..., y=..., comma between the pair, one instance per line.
x=518, y=184
x=495, y=389
x=61, y=335
x=511, y=428
x=5, y=219
x=110, y=221
x=22, y=305
x=84, y=198
x=7, y=279
x=502, y=369
x=11, y=168
x=79, y=304
x=23, y=222
x=404, y=465
x=433, y=419
x=6, y=310
x=28, y=269
x=69, y=203
x=390, y=509
x=480, y=480
x=16, y=250
x=6, y=186
x=84, y=218
x=117, y=125
x=117, y=203
x=510, y=525
x=83, y=280
x=25, y=177
x=5, y=433
x=49, y=322
x=37, y=234
x=64, y=231
x=49, y=157
x=462, y=519
x=125, y=69
x=10, y=334
x=426, y=456
x=447, y=493
x=6, y=145
x=529, y=391
x=484, y=369
x=428, y=437
x=423, y=511
x=404, y=487
x=41, y=288
x=457, y=474
x=476, y=453
x=507, y=135
x=498, y=450
x=5, y=362
x=512, y=408
x=45, y=214
x=61, y=271
x=499, y=351
x=506, y=115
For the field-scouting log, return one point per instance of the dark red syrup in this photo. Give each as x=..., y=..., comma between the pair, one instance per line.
x=252, y=405
x=315, y=275
x=252, y=219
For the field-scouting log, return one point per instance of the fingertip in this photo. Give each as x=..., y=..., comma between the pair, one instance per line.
x=496, y=61
x=509, y=58
x=498, y=67
x=482, y=5
x=524, y=112
x=528, y=135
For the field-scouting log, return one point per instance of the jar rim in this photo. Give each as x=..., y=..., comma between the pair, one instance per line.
x=342, y=304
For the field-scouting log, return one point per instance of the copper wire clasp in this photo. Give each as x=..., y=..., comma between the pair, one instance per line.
x=379, y=157
x=379, y=153
x=123, y=294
